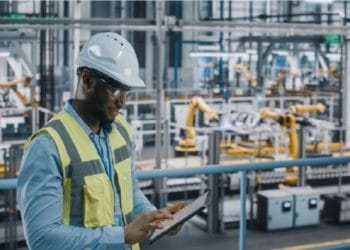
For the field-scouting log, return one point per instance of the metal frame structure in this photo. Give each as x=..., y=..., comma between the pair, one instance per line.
x=159, y=27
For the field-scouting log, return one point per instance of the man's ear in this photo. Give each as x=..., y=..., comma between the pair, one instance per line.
x=88, y=83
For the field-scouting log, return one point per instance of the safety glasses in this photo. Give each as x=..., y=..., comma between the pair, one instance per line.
x=110, y=85
x=114, y=91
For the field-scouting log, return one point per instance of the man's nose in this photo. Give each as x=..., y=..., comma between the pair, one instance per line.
x=120, y=100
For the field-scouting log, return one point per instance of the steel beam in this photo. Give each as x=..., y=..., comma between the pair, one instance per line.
x=346, y=91
x=17, y=36
x=150, y=25
x=159, y=184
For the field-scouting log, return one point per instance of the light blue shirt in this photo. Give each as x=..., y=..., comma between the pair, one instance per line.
x=40, y=198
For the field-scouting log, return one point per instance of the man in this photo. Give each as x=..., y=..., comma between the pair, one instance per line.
x=76, y=189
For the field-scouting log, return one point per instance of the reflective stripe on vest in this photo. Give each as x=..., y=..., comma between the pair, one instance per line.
x=88, y=192
x=121, y=156
x=124, y=129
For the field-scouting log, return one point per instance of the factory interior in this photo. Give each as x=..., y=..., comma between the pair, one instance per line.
x=245, y=98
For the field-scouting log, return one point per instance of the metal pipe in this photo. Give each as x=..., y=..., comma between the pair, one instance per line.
x=69, y=21
x=218, y=26
x=215, y=169
x=221, y=43
x=159, y=83
x=302, y=154
x=8, y=184
x=159, y=184
x=99, y=27
x=243, y=221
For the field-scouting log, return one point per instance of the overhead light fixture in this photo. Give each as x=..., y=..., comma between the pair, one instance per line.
x=216, y=54
x=281, y=52
x=319, y=1
x=333, y=56
x=309, y=53
x=4, y=54
x=208, y=48
x=251, y=51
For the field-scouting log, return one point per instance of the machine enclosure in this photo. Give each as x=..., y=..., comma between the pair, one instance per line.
x=337, y=208
x=293, y=207
x=275, y=209
x=306, y=206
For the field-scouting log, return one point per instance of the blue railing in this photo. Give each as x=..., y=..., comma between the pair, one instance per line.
x=6, y=184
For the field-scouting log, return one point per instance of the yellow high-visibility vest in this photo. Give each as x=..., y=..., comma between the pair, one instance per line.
x=87, y=190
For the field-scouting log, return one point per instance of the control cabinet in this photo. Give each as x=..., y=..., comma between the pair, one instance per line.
x=275, y=209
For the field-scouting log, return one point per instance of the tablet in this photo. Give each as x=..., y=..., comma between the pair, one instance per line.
x=180, y=217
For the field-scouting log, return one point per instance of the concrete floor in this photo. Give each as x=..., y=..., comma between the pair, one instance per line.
x=193, y=238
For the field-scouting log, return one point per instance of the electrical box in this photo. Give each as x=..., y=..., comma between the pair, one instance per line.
x=306, y=206
x=275, y=209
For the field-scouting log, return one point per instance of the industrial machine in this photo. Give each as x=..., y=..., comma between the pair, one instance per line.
x=337, y=208
x=244, y=70
x=288, y=120
x=16, y=117
x=187, y=144
x=13, y=85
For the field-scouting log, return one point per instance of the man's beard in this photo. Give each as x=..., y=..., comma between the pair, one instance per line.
x=98, y=111
x=100, y=114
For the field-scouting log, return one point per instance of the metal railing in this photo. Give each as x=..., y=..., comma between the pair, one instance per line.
x=7, y=184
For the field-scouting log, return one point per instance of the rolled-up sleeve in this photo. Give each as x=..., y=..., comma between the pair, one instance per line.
x=40, y=199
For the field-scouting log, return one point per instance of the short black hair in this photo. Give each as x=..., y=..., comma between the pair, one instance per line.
x=103, y=77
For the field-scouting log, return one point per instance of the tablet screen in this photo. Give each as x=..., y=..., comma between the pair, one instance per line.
x=181, y=216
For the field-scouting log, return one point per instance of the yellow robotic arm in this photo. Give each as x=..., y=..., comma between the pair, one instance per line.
x=287, y=120
x=246, y=73
x=197, y=102
x=302, y=109
x=187, y=144
x=27, y=81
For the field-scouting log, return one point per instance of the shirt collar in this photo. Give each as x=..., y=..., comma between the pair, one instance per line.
x=68, y=107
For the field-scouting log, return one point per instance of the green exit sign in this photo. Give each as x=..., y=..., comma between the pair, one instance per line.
x=331, y=39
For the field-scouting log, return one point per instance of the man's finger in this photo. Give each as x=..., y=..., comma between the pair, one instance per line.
x=174, y=208
x=162, y=214
x=157, y=224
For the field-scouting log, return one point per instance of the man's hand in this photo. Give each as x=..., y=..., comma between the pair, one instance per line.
x=139, y=229
x=173, y=209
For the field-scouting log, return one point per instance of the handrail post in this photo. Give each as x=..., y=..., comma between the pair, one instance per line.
x=215, y=221
x=242, y=221
x=302, y=154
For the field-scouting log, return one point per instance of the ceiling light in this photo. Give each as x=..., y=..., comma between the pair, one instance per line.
x=319, y=1
x=281, y=52
x=216, y=54
x=4, y=54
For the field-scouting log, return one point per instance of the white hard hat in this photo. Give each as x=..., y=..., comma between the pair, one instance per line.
x=113, y=56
